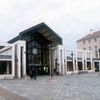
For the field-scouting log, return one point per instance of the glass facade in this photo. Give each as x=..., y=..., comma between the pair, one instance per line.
x=3, y=67
x=41, y=59
x=39, y=37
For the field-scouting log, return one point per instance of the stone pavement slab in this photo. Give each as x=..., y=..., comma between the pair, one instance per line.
x=78, y=87
x=8, y=95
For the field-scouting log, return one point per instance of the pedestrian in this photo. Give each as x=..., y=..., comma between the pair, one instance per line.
x=31, y=76
x=34, y=73
x=54, y=71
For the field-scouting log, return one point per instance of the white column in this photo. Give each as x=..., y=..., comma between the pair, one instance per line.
x=86, y=64
x=59, y=60
x=13, y=61
x=98, y=54
x=85, y=61
x=66, y=65
x=7, y=68
x=92, y=66
x=19, y=62
x=83, y=58
x=73, y=65
x=99, y=66
x=24, y=59
x=52, y=62
x=76, y=63
x=76, y=66
x=62, y=62
x=82, y=65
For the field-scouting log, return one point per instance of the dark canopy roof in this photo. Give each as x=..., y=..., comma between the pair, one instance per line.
x=44, y=30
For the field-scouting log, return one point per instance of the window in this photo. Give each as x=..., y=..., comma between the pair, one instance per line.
x=95, y=48
x=83, y=41
x=96, y=51
x=89, y=48
x=89, y=41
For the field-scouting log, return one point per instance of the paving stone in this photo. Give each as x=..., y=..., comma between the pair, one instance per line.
x=8, y=95
x=77, y=87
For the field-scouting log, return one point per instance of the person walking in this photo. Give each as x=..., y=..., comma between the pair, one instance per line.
x=34, y=73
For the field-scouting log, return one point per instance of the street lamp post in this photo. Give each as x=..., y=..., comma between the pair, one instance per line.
x=72, y=55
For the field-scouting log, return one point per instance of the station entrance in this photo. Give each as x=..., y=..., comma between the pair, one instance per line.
x=40, y=37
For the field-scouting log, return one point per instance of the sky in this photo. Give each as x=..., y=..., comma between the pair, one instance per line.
x=71, y=19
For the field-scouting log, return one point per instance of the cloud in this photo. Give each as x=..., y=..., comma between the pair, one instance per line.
x=67, y=17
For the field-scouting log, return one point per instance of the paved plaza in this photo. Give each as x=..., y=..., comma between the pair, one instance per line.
x=78, y=87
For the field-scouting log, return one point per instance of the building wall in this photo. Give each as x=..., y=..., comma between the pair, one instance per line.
x=79, y=61
x=9, y=64
x=6, y=61
x=20, y=62
x=7, y=52
x=60, y=56
x=90, y=44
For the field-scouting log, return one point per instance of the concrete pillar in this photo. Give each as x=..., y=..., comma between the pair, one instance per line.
x=19, y=62
x=82, y=64
x=85, y=65
x=50, y=60
x=66, y=65
x=62, y=61
x=91, y=66
x=99, y=66
x=83, y=58
x=73, y=65
x=7, y=68
x=13, y=61
x=24, y=59
x=59, y=60
x=76, y=63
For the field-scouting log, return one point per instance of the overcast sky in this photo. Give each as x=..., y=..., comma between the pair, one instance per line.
x=71, y=19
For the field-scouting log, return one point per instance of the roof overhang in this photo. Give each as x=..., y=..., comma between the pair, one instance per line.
x=46, y=32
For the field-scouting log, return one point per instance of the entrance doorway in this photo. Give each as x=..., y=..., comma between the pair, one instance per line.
x=96, y=65
x=89, y=65
x=69, y=66
x=41, y=60
x=80, y=66
x=5, y=67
